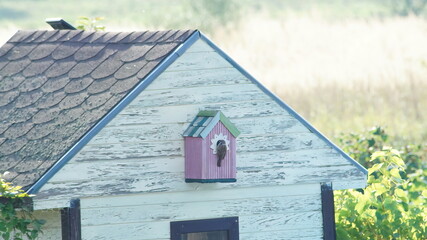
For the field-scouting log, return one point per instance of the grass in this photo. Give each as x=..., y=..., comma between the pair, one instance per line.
x=343, y=76
x=201, y=14
x=344, y=65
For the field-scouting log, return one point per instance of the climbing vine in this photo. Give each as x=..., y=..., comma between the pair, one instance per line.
x=16, y=219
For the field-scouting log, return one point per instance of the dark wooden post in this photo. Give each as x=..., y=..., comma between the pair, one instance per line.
x=328, y=212
x=70, y=221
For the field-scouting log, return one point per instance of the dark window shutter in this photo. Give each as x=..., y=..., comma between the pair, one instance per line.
x=328, y=212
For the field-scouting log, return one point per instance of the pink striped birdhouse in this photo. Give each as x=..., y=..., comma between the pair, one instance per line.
x=210, y=148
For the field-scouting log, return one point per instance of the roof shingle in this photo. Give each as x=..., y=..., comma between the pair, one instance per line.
x=56, y=85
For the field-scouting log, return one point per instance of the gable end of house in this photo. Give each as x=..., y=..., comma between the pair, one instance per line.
x=143, y=84
x=293, y=113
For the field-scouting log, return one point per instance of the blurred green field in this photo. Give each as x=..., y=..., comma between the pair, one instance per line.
x=203, y=14
x=344, y=65
x=343, y=76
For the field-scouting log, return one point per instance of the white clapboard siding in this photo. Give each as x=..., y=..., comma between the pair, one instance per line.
x=247, y=224
x=318, y=157
x=201, y=210
x=106, y=169
x=146, y=149
x=173, y=131
x=200, y=195
x=200, y=46
x=199, y=60
x=201, y=95
x=135, y=115
x=129, y=150
x=356, y=182
x=290, y=234
x=306, y=234
x=197, y=78
x=43, y=203
x=148, y=215
x=277, y=222
x=135, y=181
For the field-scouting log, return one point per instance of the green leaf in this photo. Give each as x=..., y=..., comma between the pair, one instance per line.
x=377, y=155
x=371, y=142
x=403, y=195
x=375, y=168
x=395, y=173
x=6, y=235
x=342, y=234
x=378, y=188
x=380, y=217
x=361, y=204
x=15, y=224
x=398, y=161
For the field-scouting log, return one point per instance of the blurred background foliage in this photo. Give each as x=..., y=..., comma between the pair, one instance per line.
x=344, y=65
x=203, y=14
x=393, y=205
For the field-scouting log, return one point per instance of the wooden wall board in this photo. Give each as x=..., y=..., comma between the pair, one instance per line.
x=201, y=210
x=135, y=181
x=248, y=224
x=135, y=115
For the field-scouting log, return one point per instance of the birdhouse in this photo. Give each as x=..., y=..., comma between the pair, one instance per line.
x=210, y=148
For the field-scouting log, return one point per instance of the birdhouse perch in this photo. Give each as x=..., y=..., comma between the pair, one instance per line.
x=210, y=148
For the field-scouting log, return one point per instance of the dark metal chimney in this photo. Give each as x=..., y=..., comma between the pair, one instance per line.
x=59, y=24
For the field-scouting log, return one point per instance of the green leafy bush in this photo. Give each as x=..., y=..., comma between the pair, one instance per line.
x=16, y=224
x=393, y=205
x=408, y=7
x=360, y=146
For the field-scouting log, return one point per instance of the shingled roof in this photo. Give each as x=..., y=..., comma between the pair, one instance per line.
x=56, y=85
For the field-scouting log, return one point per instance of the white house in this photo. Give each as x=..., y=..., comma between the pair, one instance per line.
x=92, y=123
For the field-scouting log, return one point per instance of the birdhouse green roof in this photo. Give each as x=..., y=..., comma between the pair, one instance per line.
x=205, y=121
